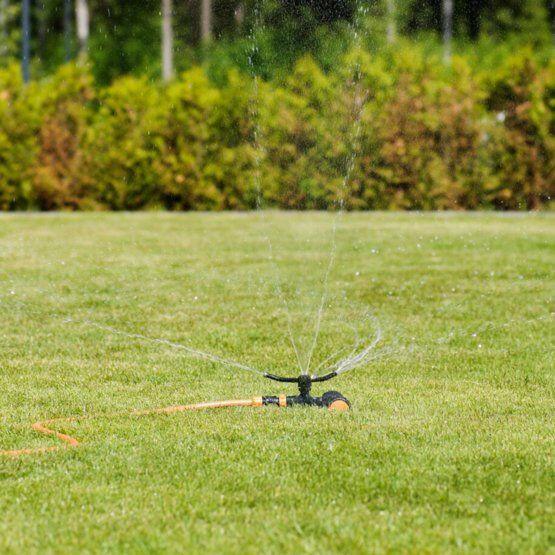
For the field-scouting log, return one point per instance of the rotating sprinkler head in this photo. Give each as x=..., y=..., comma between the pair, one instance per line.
x=332, y=400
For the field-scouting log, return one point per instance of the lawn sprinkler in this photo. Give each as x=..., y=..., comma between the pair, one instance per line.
x=332, y=400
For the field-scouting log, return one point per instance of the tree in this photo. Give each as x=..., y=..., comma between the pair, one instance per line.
x=25, y=39
x=167, y=41
x=239, y=14
x=391, y=26
x=3, y=28
x=447, y=29
x=41, y=16
x=206, y=21
x=67, y=30
x=82, y=21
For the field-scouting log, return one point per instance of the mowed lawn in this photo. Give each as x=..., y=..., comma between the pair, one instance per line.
x=449, y=443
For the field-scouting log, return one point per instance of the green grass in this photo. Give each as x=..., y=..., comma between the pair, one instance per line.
x=449, y=443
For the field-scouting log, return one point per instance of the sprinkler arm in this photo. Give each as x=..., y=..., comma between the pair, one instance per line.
x=313, y=379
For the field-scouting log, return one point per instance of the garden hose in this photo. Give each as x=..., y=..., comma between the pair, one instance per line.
x=331, y=400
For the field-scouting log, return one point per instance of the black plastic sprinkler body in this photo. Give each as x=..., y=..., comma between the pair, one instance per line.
x=332, y=400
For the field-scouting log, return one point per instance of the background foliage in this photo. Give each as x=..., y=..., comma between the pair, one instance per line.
x=407, y=129
x=430, y=137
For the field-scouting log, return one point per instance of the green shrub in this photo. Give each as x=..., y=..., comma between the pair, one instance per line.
x=189, y=143
x=123, y=144
x=41, y=130
x=306, y=128
x=19, y=124
x=233, y=165
x=424, y=146
x=522, y=97
x=64, y=101
x=396, y=131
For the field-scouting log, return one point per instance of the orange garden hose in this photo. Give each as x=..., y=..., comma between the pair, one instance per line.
x=332, y=400
x=68, y=441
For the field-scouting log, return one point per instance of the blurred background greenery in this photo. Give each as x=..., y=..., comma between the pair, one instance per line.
x=124, y=37
x=443, y=104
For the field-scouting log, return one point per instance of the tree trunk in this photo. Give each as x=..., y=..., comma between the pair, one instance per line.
x=447, y=29
x=240, y=14
x=67, y=29
x=41, y=25
x=82, y=21
x=3, y=28
x=206, y=21
x=473, y=12
x=391, y=26
x=167, y=40
x=25, y=39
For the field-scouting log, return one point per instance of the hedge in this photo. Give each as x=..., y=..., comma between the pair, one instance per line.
x=388, y=132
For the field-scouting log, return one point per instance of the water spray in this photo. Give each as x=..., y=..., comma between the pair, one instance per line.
x=331, y=400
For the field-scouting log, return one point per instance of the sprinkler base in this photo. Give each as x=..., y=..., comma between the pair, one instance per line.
x=332, y=400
